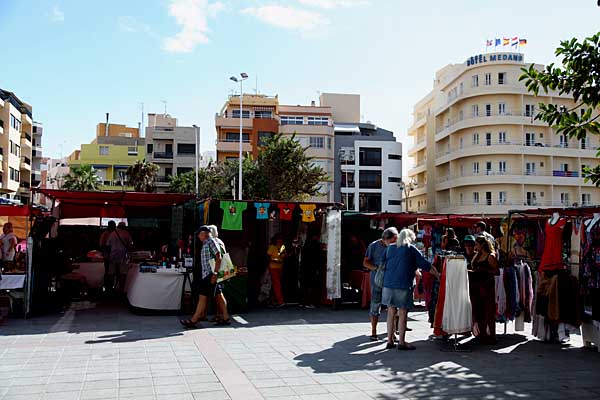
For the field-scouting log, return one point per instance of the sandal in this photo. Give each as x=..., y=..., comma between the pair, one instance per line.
x=374, y=338
x=389, y=346
x=406, y=346
x=223, y=322
x=188, y=323
x=215, y=319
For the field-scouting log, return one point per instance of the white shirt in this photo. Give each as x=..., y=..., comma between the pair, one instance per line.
x=8, y=254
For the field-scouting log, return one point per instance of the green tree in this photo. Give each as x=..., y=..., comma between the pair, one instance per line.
x=214, y=181
x=579, y=76
x=283, y=171
x=82, y=178
x=142, y=176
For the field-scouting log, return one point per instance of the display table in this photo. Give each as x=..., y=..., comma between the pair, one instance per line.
x=12, y=282
x=93, y=272
x=159, y=290
x=362, y=280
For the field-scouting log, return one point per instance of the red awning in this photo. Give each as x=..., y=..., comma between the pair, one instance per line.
x=113, y=204
x=16, y=211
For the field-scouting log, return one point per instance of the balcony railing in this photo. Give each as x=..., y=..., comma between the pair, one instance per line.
x=26, y=160
x=515, y=172
x=25, y=185
x=234, y=140
x=163, y=155
x=26, y=136
x=163, y=179
x=482, y=114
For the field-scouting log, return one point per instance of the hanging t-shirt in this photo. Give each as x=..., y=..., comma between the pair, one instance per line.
x=262, y=210
x=203, y=209
x=577, y=226
x=308, y=212
x=286, y=211
x=232, y=215
x=552, y=256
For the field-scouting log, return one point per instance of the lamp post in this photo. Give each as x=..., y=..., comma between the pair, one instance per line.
x=241, y=79
x=197, y=140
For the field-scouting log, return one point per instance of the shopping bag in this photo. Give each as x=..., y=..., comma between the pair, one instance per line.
x=227, y=270
x=379, y=274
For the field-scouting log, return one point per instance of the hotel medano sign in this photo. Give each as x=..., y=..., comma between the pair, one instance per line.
x=491, y=58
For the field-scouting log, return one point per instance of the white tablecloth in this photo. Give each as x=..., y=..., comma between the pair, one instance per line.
x=93, y=272
x=154, y=291
x=10, y=282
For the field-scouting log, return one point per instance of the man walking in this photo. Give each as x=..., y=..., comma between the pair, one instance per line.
x=372, y=261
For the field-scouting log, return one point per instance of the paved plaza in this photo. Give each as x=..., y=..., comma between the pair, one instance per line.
x=106, y=352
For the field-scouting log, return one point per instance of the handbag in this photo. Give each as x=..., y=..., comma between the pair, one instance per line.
x=227, y=270
x=379, y=274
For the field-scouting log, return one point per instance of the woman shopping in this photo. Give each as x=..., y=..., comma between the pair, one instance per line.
x=276, y=253
x=402, y=262
x=484, y=268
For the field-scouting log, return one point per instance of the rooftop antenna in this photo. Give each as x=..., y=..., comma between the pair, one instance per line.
x=165, y=103
x=256, y=83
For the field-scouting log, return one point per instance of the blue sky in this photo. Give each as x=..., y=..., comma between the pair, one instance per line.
x=75, y=60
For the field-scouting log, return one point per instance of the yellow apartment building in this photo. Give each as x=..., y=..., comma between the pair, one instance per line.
x=111, y=155
x=478, y=148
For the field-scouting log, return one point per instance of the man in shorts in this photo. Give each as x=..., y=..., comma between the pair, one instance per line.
x=373, y=259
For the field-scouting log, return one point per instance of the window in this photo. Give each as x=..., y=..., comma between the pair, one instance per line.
x=150, y=148
x=291, y=120
x=348, y=179
x=235, y=137
x=488, y=139
x=529, y=110
x=318, y=120
x=475, y=81
x=462, y=170
x=461, y=199
x=132, y=151
x=103, y=150
x=187, y=148
x=585, y=143
x=530, y=139
x=461, y=115
x=488, y=167
x=502, y=137
x=502, y=167
x=501, y=78
x=369, y=202
x=586, y=199
x=348, y=199
x=488, y=79
x=370, y=157
x=531, y=199
x=475, y=111
x=529, y=168
x=347, y=156
x=476, y=138
x=488, y=198
x=488, y=110
x=476, y=168
x=501, y=108
x=263, y=114
x=394, y=202
x=329, y=143
x=317, y=142
x=184, y=170
x=15, y=123
x=501, y=197
x=168, y=171
x=460, y=88
x=263, y=136
x=564, y=167
x=369, y=179
x=394, y=157
x=236, y=113
x=475, y=197
x=564, y=141
x=460, y=143
x=564, y=199
x=14, y=174
x=394, y=179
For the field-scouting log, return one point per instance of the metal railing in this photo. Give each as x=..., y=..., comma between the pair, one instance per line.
x=483, y=114
x=26, y=136
x=514, y=172
x=163, y=155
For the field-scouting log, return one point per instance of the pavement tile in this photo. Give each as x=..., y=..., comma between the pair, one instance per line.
x=136, y=382
x=169, y=380
x=136, y=391
x=94, y=394
x=353, y=396
x=277, y=392
x=105, y=384
x=63, y=387
x=171, y=389
x=309, y=390
x=215, y=395
x=205, y=387
x=339, y=387
x=178, y=396
x=26, y=389
x=319, y=397
x=61, y=396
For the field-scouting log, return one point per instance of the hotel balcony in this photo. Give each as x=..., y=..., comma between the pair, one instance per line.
x=26, y=140
x=222, y=121
x=418, y=167
x=494, y=207
x=233, y=146
x=306, y=129
x=162, y=157
x=163, y=132
x=420, y=144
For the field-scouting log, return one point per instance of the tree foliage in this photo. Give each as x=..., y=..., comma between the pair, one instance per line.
x=579, y=76
x=142, y=176
x=282, y=171
x=82, y=178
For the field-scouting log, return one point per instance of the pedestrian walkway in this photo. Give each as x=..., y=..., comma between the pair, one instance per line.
x=93, y=352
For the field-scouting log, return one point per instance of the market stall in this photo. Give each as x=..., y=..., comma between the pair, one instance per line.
x=159, y=226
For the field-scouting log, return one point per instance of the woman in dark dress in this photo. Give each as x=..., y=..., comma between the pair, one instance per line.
x=484, y=268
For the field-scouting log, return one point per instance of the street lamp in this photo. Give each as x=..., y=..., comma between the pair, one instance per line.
x=241, y=79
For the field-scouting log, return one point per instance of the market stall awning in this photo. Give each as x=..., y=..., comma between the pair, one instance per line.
x=112, y=204
x=16, y=211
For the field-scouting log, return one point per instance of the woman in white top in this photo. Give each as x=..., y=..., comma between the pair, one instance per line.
x=9, y=244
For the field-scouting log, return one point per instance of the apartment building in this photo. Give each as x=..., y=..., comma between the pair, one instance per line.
x=37, y=159
x=479, y=149
x=115, y=148
x=16, y=129
x=170, y=146
x=369, y=175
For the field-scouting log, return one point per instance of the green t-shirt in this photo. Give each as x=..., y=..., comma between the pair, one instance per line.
x=232, y=215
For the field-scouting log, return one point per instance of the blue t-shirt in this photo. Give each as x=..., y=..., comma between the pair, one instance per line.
x=262, y=210
x=376, y=252
x=401, y=264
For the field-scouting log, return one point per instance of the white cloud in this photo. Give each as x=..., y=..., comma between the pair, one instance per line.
x=130, y=24
x=57, y=15
x=288, y=17
x=330, y=4
x=192, y=16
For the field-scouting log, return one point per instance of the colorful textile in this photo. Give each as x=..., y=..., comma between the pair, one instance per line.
x=286, y=211
x=589, y=271
x=232, y=215
x=209, y=251
x=552, y=256
x=308, y=212
x=262, y=210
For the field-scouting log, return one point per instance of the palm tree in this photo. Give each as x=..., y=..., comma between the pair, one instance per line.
x=82, y=178
x=142, y=176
